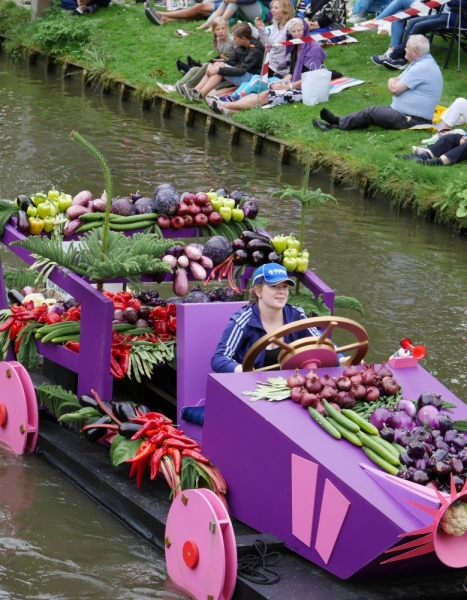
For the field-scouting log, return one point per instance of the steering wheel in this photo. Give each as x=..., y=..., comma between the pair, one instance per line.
x=310, y=352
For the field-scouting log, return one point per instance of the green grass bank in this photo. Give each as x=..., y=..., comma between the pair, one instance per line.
x=119, y=43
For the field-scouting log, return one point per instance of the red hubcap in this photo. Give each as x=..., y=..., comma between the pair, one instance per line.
x=190, y=554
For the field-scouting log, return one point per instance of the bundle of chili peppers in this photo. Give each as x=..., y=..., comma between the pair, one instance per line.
x=165, y=448
x=20, y=316
x=225, y=269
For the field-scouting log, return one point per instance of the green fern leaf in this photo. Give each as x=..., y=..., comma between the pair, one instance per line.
x=7, y=210
x=55, y=398
x=18, y=279
x=348, y=303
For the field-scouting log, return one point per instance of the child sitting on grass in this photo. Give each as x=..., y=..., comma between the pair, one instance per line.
x=245, y=61
x=223, y=44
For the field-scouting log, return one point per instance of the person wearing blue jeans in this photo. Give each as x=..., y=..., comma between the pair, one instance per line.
x=446, y=19
x=397, y=27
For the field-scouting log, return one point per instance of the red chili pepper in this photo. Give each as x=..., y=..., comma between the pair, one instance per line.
x=158, y=438
x=172, y=324
x=72, y=314
x=181, y=444
x=158, y=415
x=52, y=318
x=15, y=308
x=196, y=455
x=73, y=346
x=109, y=295
x=134, y=468
x=125, y=363
x=134, y=303
x=151, y=424
x=171, y=309
x=15, y=329
x=158, y=313
x=115, y=368
x=160, y=327
x=177, y=458
x=156, y=461
x=140, y=470
x=146, y=450
x=8, y=323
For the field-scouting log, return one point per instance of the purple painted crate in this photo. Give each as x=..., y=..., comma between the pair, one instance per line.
x=253, y=444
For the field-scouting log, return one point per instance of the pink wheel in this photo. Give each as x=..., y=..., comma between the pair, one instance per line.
x=200, y=548
x=19, y=416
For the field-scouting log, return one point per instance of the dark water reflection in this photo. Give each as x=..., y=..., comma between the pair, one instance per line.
x=408, y=274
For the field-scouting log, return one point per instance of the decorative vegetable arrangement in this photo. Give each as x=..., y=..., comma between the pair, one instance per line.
x=43, y=212
x=290, y=253
x=147, y=440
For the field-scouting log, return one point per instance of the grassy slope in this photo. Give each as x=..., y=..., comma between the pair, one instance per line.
x=124, y=44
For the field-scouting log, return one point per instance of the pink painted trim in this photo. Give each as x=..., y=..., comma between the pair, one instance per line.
x=334, y=509
x=304, y=480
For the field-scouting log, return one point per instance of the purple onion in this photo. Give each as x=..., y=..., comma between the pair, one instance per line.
x=406, y=406
x=401, y=420
x=118, y=315
x=56, y=308
x=141, y=324
x=427, y=415
x=380, y=417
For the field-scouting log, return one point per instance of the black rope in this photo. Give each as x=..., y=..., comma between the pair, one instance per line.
x=255, y=566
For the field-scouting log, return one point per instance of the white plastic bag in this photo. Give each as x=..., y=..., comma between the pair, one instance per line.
x=315, y=86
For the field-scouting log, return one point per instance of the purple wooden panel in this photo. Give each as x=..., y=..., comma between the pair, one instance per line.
x=60, y=355
x=199, y=328
x=96, y=324
x=265, y=434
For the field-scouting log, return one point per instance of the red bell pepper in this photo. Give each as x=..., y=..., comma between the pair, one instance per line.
x=158, y=313
x=124, y=296
x=118, y=305
x=73, y=346
x=160, y=327
x=51, y=318
x=134, y=303
x=172, y=324
x=171, y=309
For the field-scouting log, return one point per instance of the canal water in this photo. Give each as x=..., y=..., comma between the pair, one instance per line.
x=408, y=274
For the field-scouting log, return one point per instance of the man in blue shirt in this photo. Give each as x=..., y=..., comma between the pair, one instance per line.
x=416, y=93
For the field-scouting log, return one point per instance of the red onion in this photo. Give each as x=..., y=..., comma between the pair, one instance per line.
x=296, y=393
x=319, y=406
x=311, y=373
x=401, y=420
x=380, y=417
x=427, y=415
x=383, y=371
x=328, y=381
x=118, y=314
x=141, y=324
x=295, y=380
x=356, y=379
x=345, y=400
x=313, y=385
x=309, y=400
x=406, y=406
x=369, y=377
x=350, y=371
x=372, y=394
x=358, y=391
x=389, y=385
x=343, y=384
x=336, y=406
x=328, y=393
x=28, y=290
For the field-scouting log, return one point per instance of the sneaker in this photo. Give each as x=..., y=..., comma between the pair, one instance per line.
x=419, y=150
x=182, y=67
x=356, y=19
x=397, y=63
x=152, y=15
x=185, y=91
x=379, y=60
x=320, y=125
x=192, y=62
x=179, y=89
x=209, y=101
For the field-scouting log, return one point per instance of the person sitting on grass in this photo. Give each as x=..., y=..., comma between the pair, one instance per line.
x=448, y=150
x=224, y=45
x=456, y=114
x=246, y=61
x=397, y=27
x=303, y=58
x=416, y=93
x=203, y=10
x=80, y=7
x=282, y=11
x=446, y=19
x=228, y=9
x=325, y=15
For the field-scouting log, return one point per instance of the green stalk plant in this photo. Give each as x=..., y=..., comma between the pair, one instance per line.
x=307, y=198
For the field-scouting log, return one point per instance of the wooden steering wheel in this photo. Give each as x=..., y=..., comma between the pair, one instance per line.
x=310, y=352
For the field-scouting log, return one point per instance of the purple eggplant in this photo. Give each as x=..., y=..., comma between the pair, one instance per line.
x=250, y=208
x=415, y=449
x=439, y=454
x=459, y=442
x=421, y=477
x=23, y=223
x=456, y=466
x=449, y=435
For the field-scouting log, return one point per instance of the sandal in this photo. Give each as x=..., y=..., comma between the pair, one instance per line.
x=152, y=15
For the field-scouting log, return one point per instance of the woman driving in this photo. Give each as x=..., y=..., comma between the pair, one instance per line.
x=268, y=310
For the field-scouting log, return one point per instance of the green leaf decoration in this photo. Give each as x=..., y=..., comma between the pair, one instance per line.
x=348, y=303
x=127, y=257
x=4, y=335
x=7, y=210
x=460, y=425
x=313, y=307
x=461, y=212
x=56, y=399
x=123, y=448
x=192, y=475
x=18, y=279
x=27, y=352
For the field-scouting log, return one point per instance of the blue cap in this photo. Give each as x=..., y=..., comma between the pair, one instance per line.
x=271, y=274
